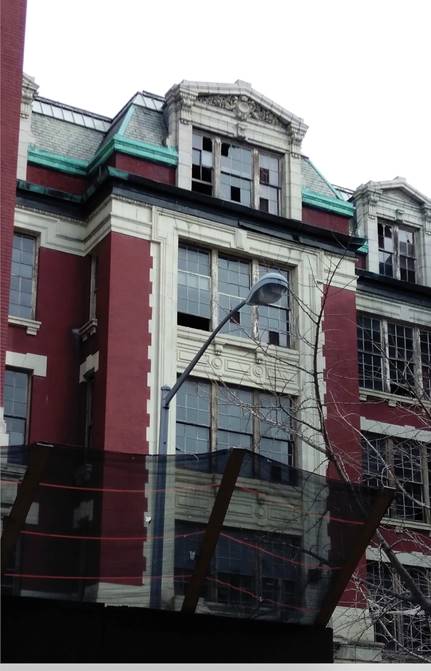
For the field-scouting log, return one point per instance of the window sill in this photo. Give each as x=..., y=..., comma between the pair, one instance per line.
x=88, y=329
x=31, y=325
x=392, y=400
x=401, y=525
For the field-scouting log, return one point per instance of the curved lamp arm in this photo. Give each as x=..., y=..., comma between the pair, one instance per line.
x=171, y=393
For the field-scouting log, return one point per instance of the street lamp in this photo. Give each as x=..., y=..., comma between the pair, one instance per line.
x=269, y=289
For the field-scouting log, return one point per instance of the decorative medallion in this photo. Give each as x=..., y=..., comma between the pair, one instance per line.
x=243, y=107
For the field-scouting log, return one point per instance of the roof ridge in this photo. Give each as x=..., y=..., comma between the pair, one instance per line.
x=71, y=108
x=153, y=95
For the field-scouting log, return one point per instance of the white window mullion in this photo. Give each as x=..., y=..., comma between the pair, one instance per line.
x=396, y=255
x=417, y=362
x=255, y=186
x=385, y=356
x=426, y=482
x=217, y=167
x=215, y=312
x=214, y=418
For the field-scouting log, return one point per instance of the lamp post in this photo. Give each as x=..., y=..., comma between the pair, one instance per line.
x=269, y=289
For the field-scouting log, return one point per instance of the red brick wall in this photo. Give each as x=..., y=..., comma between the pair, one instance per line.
x=12, y=30
x=56, y=180
x=121, y=395
x=403, y=415
x=328, y=220
x=55, y=398
x=342, y=405
x=128, y=340
x=122, y=339
x=136, y=166
x=341, y=376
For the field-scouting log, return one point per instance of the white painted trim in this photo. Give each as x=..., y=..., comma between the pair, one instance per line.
x=31, y=325
x=91, y=363
x=407, y=558
x=398, y=430
x=35, y=362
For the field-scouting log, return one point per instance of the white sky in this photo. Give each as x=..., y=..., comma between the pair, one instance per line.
x=356, y=71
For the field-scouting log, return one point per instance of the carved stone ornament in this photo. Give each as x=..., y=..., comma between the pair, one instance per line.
x=243, y=107
x=373, y=198
x=427, y=217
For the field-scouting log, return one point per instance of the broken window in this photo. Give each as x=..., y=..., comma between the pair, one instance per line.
x=211, y=284
x=397, y=257
x=202, y=164
x=244, y=175
x=269, y=183
x=393, y=357
x=236, y=174
x=194, y=287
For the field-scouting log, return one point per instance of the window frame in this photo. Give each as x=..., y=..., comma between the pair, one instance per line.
x=220, y=592
x=380, y=356
x=392, y=446
x=396, y=255
x=35, y=269
x=256, y=267
x=257, y=431
x=28, y=375
x=393, y=619
x=217, y=170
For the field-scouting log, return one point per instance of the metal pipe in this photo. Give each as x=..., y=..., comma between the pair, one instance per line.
x=167, y=394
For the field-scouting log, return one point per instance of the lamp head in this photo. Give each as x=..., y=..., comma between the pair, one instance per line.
x=269, y=289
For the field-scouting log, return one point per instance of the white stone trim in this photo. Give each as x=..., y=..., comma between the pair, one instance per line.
x=31, y=325
x=406, y=558
x=4, y=436
x=397, y=430
x=393, y=309
x=35, y=362
x=91, y=364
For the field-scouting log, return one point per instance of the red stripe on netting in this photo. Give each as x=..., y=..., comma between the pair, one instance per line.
x=113, y=490
x=99, y=578
x=59, y=536
x=259, y=598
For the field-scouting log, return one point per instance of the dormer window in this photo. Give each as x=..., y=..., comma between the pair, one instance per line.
x=397, y=256
x=236, y=172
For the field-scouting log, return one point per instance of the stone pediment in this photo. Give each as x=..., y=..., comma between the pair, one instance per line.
x=238, y=100
x=397, y=188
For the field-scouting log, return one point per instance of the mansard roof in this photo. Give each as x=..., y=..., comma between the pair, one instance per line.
x=76, y=133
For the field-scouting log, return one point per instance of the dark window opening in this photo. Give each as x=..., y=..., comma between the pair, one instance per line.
x=193, y=321
x=225, y=149
x=235, y=194
x=207, y=175
x=235, y=317
x=207, y=144
x=264, y=204
x=264, y=175
x=198, y=187
x=273, y=338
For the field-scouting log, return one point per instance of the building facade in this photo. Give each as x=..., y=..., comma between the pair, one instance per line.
x=134, y=236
